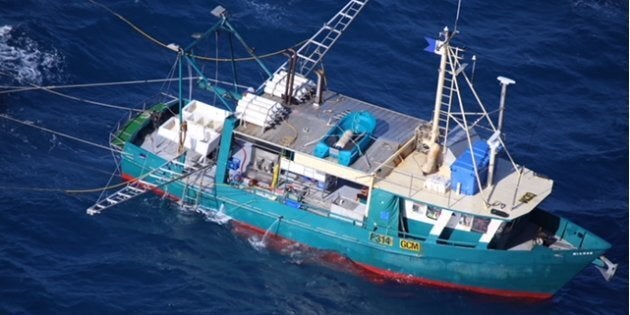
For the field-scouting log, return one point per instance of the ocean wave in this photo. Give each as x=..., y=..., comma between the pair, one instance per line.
x=23, y=59
x=602, y=8
x=272, y=14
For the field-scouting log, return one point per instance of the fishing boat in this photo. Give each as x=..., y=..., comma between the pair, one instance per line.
x=433, y=202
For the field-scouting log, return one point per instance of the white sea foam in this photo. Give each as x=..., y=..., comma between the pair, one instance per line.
x=218, y=216
x=4, y=30
x=603, y=8
x=213, y=215
x=25, y=60
x=273, y=15
x=257, y=242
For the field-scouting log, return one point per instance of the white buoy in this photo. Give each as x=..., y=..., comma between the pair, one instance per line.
x=341, y=143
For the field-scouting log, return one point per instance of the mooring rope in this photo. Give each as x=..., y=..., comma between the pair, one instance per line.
x=205, y=58
x=66, y=191
x=37, y=87
x=18, y=88
x=110, y=187
x=61, y=134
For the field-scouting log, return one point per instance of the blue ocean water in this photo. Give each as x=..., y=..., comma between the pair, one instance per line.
x=567, y=117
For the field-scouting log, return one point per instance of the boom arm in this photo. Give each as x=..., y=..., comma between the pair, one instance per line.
x=313, y=51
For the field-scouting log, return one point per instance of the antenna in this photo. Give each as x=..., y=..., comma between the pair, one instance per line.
x=472, y=75
x=459, y=6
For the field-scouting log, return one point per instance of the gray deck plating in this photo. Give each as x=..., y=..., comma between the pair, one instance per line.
x=307, y=124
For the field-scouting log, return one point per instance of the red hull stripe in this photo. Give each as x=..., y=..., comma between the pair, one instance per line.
x=398, y=277
x=407, y=279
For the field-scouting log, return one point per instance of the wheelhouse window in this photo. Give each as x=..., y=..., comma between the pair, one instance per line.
x=433, y=213
x=419, y=208
x=480, y=225
x=465, y=220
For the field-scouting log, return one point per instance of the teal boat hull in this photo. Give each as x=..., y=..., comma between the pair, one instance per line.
x=536, y=273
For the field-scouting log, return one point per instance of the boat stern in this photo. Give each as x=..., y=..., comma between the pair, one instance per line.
x=132, y=129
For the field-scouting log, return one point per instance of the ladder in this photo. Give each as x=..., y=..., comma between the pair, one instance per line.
x=128, y=192
x=163, y=175
x=313, y=51
x=189, y=202
x=450, y=90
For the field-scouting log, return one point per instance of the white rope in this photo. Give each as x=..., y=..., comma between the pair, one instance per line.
x=29, y=124
x=37, y=87
x=91, y=102
x=18, y=88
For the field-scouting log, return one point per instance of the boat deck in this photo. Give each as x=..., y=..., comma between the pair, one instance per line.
x=506, y=195
x=307, y=124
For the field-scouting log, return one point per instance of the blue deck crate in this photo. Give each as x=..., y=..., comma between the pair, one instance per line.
x=463, y=171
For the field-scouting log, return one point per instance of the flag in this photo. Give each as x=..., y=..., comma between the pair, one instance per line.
x=433, y=45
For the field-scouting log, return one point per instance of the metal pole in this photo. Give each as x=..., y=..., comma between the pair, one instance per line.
x=320, y=87
x=249, y=50
x=504, y=83
x=234, y=73
x=494, y=140
x=179, y=83
x=435, y=130
x=182, y=125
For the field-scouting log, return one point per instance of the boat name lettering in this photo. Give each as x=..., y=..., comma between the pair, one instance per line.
x=410, y=245
x=382, y=239
x=582, y=253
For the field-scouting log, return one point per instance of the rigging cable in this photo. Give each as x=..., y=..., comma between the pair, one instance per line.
x=18, y=88
x=459, y=7
x=74, y=97
x=205, y=58
x=61, y=134
x=67, y=191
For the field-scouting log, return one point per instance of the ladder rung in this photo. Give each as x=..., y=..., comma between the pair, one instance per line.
x=332, y=29
x=306, y=58
x=330, y=38
x=316, y=53
x=135, y=189
x=319, y=44
x=348, y=15
x=158, y=178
